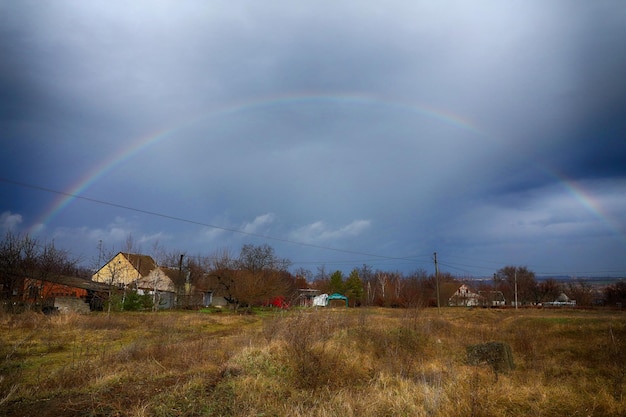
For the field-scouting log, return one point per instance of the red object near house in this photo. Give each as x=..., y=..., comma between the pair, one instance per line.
x=35, y=290
x=279, y=302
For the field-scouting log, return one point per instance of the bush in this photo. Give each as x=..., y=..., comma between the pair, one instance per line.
x=136, y=302
x=495, y=354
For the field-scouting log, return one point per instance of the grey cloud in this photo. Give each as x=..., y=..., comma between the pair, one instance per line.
x=539, y=82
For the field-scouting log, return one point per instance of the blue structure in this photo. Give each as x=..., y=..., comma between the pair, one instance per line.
x=337, y=296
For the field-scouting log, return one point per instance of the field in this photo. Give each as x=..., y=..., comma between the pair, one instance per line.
x=327, y=362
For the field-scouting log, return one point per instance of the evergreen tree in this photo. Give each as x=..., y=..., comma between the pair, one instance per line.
x=354, y=287
x=336, y=283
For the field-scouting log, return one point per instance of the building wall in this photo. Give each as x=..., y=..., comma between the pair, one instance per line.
x=158, y=280
x=35, y=290
x=117, y=271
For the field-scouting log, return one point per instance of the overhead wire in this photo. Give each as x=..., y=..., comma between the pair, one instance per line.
x=199, y=223
x=377, y=258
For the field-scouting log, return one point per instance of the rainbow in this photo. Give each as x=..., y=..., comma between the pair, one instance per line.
x=140, y=144
x=589, y=202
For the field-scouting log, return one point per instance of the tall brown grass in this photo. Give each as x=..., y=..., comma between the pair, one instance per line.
x=344, y=362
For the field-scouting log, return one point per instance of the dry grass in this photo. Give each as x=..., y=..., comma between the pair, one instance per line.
x=356, y=362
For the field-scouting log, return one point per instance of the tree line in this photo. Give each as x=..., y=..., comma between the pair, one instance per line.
x=257, y=275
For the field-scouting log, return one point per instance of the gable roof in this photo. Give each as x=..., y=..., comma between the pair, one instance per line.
x=464, y=291
x=142, y=263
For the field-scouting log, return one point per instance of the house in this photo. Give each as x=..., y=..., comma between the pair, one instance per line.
x=306, y=296
x=161, y=284
x=172, y=288
x=561, y=301
x=464, y=296
x=124, y=269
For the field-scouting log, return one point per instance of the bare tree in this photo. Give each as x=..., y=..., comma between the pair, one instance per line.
x=321, y=275
x=221, y=272
x=581, y=291
x=17, y=259
x=615, y=293
x=549, y=290
x=521, y=277
x=383, y=280
x=369, y=282
x=254, y=277
x=22, y=258
x=130, y=245
x=304, y=274
x=259, y=258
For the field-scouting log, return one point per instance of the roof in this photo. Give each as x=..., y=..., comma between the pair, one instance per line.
x=142, y=263
x=177, y=276
x=167, y=279
x=76, y=282
x=337, y=296
x=563, y=298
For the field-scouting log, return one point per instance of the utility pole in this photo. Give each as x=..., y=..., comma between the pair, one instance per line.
x=437, y=282
x=99, y=266
x=180, y=278
x=515, y=288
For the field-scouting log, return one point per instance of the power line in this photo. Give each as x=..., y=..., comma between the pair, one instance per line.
x=451, y=265
x=198, y=223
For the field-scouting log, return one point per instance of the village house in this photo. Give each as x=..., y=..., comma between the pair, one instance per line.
x=561, y=301
x=124, y=269
x=169, y=287
x=465, y=297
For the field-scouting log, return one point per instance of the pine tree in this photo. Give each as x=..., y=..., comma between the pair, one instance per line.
x=354, y=287
x=336, y=282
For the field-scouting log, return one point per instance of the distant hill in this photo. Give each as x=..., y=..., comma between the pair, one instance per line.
x=590, y=280
x=566, y=278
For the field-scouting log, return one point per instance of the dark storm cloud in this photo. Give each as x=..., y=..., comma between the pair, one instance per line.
x=484, y=129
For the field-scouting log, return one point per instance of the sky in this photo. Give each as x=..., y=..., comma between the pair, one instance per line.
x=341, y=133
